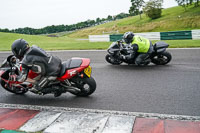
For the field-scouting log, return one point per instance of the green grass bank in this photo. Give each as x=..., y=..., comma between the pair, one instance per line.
x=173, y=19
x=66, y=43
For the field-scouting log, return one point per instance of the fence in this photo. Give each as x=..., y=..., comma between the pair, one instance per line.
x=172, y=35
x=195, y=34
x=99, y=38
x=176, y=35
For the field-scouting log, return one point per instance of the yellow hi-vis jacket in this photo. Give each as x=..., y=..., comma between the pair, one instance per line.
x=143, y=44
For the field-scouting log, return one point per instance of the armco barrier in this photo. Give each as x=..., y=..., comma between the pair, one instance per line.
x=150, y=35
x=176, y=35
x=99, y=38
x=115, y=37
x=172, y=35
x=195, y=34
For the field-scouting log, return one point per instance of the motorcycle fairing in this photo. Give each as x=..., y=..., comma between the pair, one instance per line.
x=113, y=47
x=71, y=68
x=32, y=74
x=4, y=77
x=69, y=64
x=1, y=72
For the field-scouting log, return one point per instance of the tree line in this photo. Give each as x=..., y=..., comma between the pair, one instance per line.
x=61, y=28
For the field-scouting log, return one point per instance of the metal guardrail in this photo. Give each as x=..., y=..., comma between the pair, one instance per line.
x=195, y=34
x=172, y=35
x=176, y=35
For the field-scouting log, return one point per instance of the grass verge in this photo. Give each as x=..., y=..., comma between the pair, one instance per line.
x=66, y=43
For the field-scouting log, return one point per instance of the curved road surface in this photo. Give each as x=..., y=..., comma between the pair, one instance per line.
x=170, y=89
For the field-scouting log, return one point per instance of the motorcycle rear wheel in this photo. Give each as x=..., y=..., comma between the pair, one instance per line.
x=162, y=58
x=15, y=90
x=86, y=85
x=112, y=60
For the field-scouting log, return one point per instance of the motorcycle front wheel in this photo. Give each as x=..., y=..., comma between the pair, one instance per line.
x=15, y=90
x=162, y=58
x=86, y=85
x=112, y=60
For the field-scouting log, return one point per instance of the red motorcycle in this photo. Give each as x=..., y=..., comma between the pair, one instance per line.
x=75, y=77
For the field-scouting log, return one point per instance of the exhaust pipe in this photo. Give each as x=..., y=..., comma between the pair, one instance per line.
x=71, y=89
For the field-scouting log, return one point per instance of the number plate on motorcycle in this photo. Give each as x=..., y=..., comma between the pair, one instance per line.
x=88, y=71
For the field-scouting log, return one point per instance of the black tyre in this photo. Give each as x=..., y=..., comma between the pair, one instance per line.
x=86, y=85
x=162, y=58
x=112, y=60
x=15, y=90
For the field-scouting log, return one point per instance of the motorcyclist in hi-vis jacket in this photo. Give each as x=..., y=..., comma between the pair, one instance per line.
x=139, y=45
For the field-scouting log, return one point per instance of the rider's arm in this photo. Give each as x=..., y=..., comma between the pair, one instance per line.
x=24, y=73
x=134, y=48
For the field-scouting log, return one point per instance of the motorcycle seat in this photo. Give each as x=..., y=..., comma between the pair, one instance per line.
x=160, y=45
x=69, y=64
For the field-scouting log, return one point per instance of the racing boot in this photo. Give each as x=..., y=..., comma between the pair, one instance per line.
x=147, y=61
x=57, y=93
x=58, y=90
x=39, y=86
x=36, y=89
x=143, y=63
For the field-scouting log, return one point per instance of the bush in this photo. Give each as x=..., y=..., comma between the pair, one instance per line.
x=153, y=9
x=154, y=13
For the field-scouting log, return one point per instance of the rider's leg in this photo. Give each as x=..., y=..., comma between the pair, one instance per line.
x=42, y=84
x=140, y=60
x=143, y=59
x=42, y=87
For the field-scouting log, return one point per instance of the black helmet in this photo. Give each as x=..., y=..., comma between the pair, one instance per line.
x=19, y=48
x=128, y=37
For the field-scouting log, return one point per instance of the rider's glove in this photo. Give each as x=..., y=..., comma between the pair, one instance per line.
x=13, y=60
x=12, y=77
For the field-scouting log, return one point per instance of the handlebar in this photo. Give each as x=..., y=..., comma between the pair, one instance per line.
x=11, y=60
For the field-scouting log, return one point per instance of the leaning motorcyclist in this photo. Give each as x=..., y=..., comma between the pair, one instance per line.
x=139, y=45
x=36, y=59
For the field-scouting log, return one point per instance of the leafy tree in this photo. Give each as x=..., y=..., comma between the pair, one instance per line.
x=185, y=3
x=196, y=2
x=98, y=20
x=4, y=30
x=136, y=6
x=153, y=8
x=90, y=23
x=121, y=15
x=109, y=18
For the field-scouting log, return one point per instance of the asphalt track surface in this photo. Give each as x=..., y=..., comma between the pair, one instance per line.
x=171, y=89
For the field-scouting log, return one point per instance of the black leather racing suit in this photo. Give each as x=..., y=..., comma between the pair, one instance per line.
x=46, y=65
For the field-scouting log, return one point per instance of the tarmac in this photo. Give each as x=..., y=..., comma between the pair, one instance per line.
x=15, y=118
